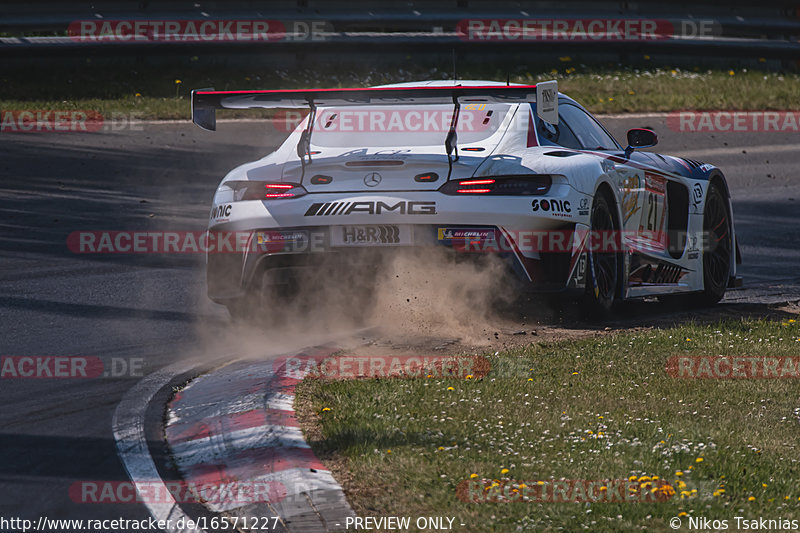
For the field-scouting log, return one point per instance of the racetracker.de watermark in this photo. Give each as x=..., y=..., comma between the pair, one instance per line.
x=380, y=366
x=733, y=367
x=461, y=240
x=197, y=31
x=587, y=29
x=161, y=242
x=563, y=491
x=67, y=121
x=224, y=492
x=472, y=118
x=734, y=121
x=69, y=367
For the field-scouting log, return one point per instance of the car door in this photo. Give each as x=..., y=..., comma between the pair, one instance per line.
x=643, y=198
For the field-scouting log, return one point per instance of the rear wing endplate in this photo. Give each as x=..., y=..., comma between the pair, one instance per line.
x=205, y=102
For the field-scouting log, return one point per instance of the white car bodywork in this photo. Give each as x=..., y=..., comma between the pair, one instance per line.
x=513, y=145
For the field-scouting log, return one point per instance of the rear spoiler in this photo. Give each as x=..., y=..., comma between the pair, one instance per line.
x=205, y=102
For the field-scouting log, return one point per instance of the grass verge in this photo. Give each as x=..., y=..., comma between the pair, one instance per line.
x=155, y=94
x=593, y=409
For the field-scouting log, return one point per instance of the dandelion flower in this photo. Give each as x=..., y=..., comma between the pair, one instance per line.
x=326, y=409
x=751, y=499
x=504, y=471
x=683, y=513
x=698, y=460
x=473, y=476
x=450, y=388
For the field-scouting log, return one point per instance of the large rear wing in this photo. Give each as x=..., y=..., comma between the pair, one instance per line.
x=205, y=102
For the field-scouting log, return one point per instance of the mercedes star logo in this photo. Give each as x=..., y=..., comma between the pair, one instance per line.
x=372, y=179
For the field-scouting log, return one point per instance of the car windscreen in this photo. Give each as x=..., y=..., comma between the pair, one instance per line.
x=404, y=125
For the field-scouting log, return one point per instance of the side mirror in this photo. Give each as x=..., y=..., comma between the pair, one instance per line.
x=640, y=138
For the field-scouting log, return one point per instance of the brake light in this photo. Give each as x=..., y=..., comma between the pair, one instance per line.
x=473, y=191
x=278, y=190
x=264, y=190
x=524, y=185
x=476, y=182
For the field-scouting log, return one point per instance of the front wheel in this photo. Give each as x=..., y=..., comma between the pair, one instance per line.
x=717, y=247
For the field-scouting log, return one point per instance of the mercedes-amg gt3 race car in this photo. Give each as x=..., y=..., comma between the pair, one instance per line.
x=521, y=172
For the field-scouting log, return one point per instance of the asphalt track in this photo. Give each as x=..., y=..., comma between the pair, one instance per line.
x=55, y=432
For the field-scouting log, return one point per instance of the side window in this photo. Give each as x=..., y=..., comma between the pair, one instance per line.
x=589, y=133
x=560, y=134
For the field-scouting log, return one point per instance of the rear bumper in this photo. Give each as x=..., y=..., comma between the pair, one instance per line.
x=231, y=275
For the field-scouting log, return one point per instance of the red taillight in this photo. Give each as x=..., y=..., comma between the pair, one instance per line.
x=272, y=190
x=475, y=182
x=524, y=185
x=264, y=190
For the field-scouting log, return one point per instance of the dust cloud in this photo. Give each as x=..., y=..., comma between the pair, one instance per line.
x=405, y=297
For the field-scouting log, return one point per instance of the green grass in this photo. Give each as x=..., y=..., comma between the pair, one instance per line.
x=593, y=409
x=153, y=93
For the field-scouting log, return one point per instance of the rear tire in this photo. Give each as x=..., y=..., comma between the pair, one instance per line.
x=604, y=276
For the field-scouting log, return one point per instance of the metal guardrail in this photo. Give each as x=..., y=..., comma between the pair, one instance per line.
x=768, y=29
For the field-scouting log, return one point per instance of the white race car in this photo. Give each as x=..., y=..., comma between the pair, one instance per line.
x=521, y=172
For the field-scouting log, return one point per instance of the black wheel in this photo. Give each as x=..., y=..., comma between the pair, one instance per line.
x=604, y=273
x=716, y=249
